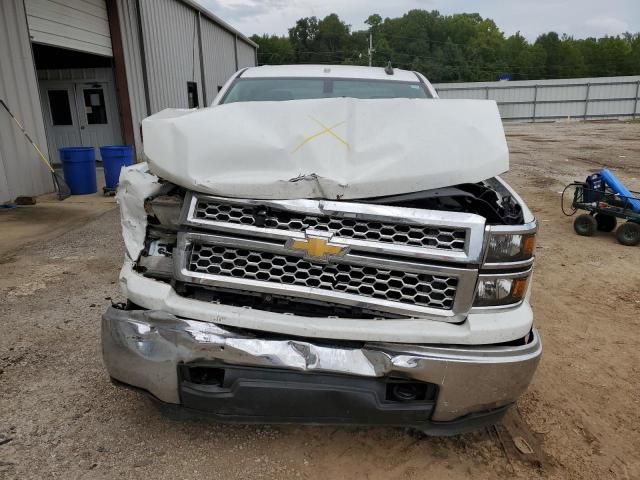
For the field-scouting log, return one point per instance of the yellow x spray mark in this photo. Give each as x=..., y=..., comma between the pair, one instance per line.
x=324, y=130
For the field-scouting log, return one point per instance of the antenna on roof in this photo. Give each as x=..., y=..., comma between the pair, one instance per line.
x=388, y=69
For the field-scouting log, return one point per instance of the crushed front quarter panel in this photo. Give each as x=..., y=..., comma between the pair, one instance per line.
x=135, y=186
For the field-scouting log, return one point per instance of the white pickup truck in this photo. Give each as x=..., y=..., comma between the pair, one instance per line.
x=326, y=245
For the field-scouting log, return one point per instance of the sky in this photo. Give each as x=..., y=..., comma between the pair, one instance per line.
x=579, y=18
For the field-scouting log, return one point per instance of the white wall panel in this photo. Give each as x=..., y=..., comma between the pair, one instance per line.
x=21, y=171
x=218, y=53
x=169, y=30
x=132, y=50
x=246, y=55
x=75, y=24
x=167, y=53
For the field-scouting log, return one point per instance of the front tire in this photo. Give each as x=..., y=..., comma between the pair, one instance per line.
x=628, y=234
x=585, y=225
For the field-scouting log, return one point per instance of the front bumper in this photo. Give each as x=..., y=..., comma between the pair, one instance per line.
x=147, y=349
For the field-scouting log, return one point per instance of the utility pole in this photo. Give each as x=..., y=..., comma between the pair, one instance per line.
x=371, y=49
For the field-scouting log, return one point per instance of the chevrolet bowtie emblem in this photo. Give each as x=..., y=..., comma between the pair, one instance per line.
x=318, y=248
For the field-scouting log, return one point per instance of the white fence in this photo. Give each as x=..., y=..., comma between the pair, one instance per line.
x=545, y=100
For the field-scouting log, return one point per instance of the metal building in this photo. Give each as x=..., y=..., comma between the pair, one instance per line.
x=86, y=72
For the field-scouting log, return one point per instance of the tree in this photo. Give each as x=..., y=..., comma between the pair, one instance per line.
x=563, y=57
x=615, y=56
x=373, y=21
x=302, y=38
x=274, y=50
x=321, y=41
x=333, y=35
x=633, y=40
x=460, y=47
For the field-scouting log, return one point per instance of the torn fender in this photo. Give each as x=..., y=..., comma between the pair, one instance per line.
x=136, y=184
x=339, y=148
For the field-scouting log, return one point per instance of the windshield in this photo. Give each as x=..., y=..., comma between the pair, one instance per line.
x=278, y=89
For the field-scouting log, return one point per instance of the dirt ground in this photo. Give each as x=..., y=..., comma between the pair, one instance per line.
x=49, y=220
x=61, y=418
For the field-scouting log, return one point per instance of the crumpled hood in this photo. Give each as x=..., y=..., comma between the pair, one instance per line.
x=339, y=148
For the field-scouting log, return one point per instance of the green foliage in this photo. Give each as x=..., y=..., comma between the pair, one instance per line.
x=275, y=50
x=462, y=47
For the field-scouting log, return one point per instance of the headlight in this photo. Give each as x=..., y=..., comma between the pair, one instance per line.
x=506, y=247
x=501, y=290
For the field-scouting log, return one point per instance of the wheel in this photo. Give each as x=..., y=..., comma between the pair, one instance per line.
x=628, y=234
x=585, y=225
x=606, y=223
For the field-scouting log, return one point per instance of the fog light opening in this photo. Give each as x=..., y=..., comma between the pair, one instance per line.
x=406, y=392
x=205, y=376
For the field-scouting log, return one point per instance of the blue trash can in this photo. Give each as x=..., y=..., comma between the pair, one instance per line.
x=114, y=157
x=79, y=167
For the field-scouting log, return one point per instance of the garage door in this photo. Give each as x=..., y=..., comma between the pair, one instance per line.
x=75, y=24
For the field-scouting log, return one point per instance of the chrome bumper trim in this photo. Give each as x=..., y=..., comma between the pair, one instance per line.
x=142, y=348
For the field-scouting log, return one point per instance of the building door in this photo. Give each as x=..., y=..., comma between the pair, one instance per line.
x=96, y=115
x=61, y=118
x=80, y=114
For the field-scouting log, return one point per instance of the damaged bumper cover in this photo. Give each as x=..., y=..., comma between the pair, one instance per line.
x=471, y=385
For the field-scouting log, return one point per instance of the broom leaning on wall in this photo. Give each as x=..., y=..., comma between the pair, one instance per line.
x=61, y=186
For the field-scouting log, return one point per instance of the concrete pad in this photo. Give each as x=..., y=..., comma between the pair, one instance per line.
x=48, y=219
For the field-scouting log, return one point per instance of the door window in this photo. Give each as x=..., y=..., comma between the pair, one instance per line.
x=60, y=107
x=94, y=106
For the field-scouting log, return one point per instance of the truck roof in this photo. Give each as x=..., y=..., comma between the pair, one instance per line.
x=330, y=71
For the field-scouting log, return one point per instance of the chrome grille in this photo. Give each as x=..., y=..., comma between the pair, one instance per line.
x=421, y=289
x=396, y=260
x=443, y=238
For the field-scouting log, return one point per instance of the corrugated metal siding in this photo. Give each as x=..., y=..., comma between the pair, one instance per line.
x=21, y=171
x=128, y=17
x=172, y=55
x=218, y=53
x=246, y=55
x=76, y=24
x=197, y=5
x=574, y=98
x=169, y=29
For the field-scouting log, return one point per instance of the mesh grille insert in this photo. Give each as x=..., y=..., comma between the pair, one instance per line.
x=451, y=239
x=421, y=289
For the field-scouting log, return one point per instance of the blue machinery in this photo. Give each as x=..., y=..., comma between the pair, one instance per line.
x=606, y=199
